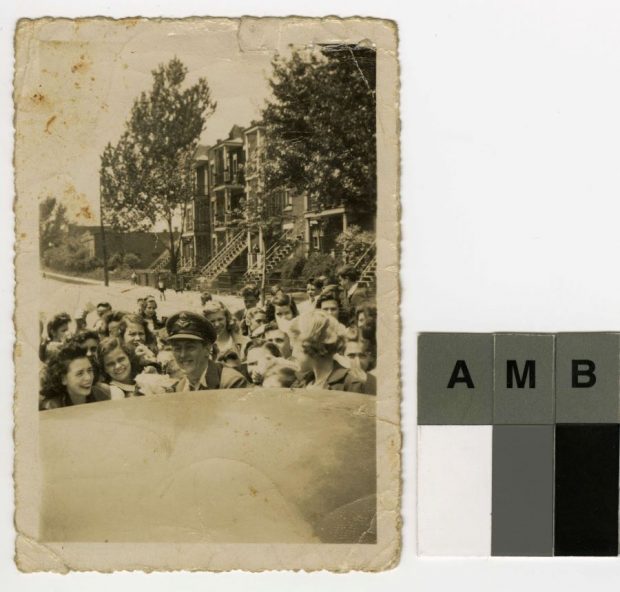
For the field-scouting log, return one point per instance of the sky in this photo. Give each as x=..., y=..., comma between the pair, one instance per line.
x=75, y=86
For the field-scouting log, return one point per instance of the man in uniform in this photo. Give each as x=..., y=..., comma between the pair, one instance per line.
x=191, y=337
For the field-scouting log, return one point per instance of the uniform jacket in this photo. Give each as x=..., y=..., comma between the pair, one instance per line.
x=216, y=376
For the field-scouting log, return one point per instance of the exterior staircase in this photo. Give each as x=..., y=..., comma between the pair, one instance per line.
x=221, y=261
x=367, y=266
x=280, y=251
x=162, y=262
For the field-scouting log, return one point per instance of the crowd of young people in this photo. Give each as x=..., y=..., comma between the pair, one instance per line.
x=327, y=341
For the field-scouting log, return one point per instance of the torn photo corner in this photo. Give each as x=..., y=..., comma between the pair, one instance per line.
x=207, y=322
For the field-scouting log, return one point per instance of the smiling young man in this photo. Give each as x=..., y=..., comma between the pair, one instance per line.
x=191, y=337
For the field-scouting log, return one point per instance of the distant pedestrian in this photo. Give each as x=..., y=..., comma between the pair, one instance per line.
x=161, y=286
x=134, y=278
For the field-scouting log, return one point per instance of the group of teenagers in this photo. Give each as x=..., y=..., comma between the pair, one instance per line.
x=327, y=341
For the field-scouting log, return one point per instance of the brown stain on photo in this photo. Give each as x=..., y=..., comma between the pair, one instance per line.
x=38, y=98
x=85, y=213
x=81, y=66
x=49, y=124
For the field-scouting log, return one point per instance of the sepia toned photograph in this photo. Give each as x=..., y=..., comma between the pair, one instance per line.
x=207, y=323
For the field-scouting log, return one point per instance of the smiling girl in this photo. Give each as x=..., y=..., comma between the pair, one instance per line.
x=229, y=337
x=119, y=367
x=69, y=379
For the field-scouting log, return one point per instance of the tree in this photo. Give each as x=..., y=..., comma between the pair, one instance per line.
x=53, y=224
x=354, y=243
x=321, y=127
x=147, y=176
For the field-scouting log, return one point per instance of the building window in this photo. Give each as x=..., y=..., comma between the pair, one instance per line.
x=315, y=238
x=288, y=198
x=200, y=180
x=189, y=218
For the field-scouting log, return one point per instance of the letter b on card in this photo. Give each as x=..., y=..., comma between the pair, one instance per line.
x=587, y=377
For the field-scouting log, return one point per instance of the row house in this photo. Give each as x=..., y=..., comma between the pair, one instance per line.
x=229, y=183
x=196, y=236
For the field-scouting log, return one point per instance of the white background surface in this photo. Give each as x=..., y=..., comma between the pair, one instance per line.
x=511, y=203
x=454, y=490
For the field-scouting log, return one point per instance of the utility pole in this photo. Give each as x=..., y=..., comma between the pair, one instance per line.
x=104, y=251
x=263, y=263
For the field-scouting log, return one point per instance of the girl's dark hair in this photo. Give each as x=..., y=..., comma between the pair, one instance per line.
x=286, y=300
x=325, y=296
x=272, y=348
x=57, y=321
x=81, y=336
x=57, y=366
x=252, y=344
x=318, y=283
x=108, y=345
x=113, y=316
x=137, y=319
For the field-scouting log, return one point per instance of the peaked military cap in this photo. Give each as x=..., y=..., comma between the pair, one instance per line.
x=189, y=325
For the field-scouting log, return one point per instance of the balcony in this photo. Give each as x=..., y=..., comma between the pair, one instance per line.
x=222, y=221
x=219, y=222
x=228, y=178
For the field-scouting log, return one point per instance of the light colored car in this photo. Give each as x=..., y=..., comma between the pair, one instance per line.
x=253, y=466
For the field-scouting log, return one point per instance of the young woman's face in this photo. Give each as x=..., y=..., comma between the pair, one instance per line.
x=361, y=320
x=79, y=377
x=150, y=309
x=218, y=320
x=117, y=365
x=283, y=312
x=91, y=347
x=135, y=334
x=258, y=320
x=62, y=333
x=310, y=290
x=330, y=307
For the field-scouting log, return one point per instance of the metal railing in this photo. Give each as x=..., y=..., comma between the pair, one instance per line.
x=225, y=257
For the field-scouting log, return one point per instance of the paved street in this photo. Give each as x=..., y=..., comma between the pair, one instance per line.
x=59, y=296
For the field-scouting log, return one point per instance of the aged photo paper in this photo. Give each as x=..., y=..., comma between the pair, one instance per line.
x=207, y=322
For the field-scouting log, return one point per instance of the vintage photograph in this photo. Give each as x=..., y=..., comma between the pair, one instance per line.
x=207, y=319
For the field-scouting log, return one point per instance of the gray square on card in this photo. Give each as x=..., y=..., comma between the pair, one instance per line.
x=455, y=379
x=587, y=377
x=524, y=379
